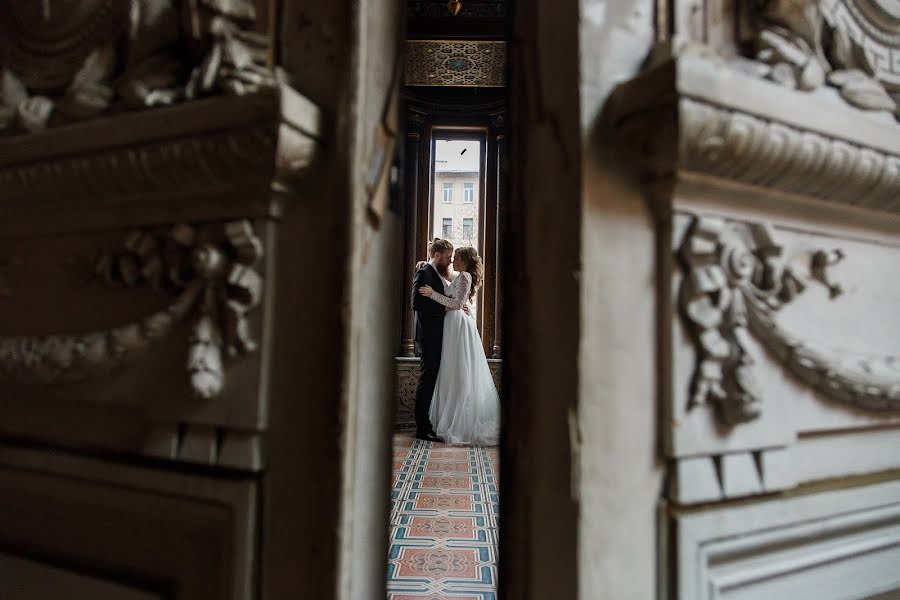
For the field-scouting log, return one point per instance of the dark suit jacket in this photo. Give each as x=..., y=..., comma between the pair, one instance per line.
x=429, y=314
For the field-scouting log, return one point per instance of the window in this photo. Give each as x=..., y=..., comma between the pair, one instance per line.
x=448, y=193
x=467, y=228
x=469, y=193
x=448, y=228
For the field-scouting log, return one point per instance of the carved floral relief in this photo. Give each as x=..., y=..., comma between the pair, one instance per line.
x=736, y=280
x=852, y=45
x=62, y=61
x=210, y=268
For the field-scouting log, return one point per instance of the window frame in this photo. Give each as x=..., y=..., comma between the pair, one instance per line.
x=469, y=193
x=471, y=224
x=447, y=187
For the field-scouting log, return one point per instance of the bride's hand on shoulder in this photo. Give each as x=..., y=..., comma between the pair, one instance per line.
x=420, y=265
x=426, y=291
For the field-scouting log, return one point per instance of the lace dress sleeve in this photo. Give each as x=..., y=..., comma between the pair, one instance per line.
x=461, y=287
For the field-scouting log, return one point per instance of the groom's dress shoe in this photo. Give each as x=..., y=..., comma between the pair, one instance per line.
x=429, y=436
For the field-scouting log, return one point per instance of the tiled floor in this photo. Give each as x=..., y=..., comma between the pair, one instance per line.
x=443, y=522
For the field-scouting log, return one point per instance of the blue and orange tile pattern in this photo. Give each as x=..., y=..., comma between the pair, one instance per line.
x=443, y=522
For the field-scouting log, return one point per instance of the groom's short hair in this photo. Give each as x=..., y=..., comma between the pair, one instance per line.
x=440, y=245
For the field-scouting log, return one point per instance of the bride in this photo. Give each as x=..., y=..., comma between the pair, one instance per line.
x=465, y=408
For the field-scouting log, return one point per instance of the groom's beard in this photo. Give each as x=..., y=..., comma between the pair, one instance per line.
x=444, y=270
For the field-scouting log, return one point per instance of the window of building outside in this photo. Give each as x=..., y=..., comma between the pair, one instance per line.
x=447, y=232
x=467, y=229
x=448, y=193
x=468, y=193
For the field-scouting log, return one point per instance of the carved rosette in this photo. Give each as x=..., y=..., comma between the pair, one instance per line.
x=211, y=268
x=735, y=281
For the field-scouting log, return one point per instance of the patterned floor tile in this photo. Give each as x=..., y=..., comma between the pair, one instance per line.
x=443, y=522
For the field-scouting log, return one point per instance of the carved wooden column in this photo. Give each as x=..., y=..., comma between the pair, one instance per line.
x=499, y=121
x=414, y=122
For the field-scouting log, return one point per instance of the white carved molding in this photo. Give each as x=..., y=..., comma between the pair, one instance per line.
x=826, y=546
x=852, y=45
x=736, y=281
x=213, y=273
x=696, y=115
x=764, y=152
x=699, y=479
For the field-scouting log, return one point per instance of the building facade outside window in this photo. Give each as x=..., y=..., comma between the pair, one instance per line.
x=454, y=216
x=448, y=193
x=468, y=193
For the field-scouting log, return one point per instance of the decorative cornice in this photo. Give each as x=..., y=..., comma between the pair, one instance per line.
x=764, y=152
x=210, y=159
x=211, y=268
x=695, y=114
x=736, y=280
x=455, y=63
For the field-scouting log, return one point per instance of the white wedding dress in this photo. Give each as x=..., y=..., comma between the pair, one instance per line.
x=465, y=408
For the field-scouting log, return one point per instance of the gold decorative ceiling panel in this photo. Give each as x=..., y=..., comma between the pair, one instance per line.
x=455, y=63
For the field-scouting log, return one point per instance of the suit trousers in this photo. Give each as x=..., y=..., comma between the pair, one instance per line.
x=430, y=362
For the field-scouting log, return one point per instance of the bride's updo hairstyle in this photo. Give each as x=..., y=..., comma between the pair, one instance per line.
x=474, y=266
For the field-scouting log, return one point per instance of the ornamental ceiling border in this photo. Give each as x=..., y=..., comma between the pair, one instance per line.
x=455, y=63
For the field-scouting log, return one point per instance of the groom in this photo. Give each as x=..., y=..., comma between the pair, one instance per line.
x=429, y=331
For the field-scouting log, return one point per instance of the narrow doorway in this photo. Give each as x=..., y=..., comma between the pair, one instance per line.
x=445, y=496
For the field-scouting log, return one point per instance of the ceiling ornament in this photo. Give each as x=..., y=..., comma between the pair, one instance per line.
x=455, y=63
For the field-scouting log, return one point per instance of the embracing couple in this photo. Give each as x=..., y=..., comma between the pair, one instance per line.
x=456, y=400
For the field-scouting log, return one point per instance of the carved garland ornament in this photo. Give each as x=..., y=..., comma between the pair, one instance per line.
x=853, y=45
x=63, y=61
x=735, y=282
x=216, y=284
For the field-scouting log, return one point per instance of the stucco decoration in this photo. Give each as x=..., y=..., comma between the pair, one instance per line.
x=210, y=268
x=736, y=280
x=63, y=61
x=853, y=45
